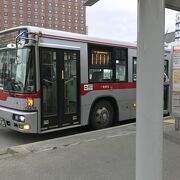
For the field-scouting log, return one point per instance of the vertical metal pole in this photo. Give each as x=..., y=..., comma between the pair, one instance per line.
x=149, y=137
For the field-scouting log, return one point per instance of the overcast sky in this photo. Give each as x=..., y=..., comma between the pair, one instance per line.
x=117, y=19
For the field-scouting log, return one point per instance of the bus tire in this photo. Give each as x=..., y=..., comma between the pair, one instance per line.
x=102, y=115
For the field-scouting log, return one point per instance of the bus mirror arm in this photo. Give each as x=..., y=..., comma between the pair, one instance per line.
x=18, y=40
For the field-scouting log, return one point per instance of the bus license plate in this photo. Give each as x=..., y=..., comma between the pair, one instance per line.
x=2, y=122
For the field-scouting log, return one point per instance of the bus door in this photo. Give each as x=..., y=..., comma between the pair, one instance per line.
x=60, y=88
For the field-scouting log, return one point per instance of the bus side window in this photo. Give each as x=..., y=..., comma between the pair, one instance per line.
x=100, y=64
x=121, y=59
x=134, y=69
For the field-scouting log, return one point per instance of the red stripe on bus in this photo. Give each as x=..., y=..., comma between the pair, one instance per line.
x=86, y=88
x=88, y=41
x=4, y=95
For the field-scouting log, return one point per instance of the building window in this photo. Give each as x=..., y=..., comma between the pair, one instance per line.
x=5, y=14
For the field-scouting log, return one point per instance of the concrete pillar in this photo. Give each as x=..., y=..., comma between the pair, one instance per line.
x=150, y=67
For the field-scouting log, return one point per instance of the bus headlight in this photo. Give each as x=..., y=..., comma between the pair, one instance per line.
x=22, y=118
x=19, y=118
x=25, y=126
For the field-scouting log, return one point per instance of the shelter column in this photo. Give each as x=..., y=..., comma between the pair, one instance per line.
x=149, y=137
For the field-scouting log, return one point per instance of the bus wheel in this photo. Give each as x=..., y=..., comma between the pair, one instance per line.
x=102, y=115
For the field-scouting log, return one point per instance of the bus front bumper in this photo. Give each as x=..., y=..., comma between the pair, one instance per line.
x=21, y=121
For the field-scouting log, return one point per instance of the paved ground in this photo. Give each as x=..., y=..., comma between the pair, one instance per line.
x=102, y=155
x=10, y=138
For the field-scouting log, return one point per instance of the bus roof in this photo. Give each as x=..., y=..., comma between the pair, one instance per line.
x=72, y=36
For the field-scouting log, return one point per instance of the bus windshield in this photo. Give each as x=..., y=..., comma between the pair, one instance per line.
x=17, y=70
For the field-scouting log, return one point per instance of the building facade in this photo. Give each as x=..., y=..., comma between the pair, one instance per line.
x=66, y=15
x=177, y=30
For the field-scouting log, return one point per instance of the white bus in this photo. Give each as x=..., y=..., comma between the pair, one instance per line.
x=52, y=80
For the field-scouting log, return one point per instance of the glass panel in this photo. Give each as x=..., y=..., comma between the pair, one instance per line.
x=17, y=77
x=166, y=84
x=100, y=58
x=134, y=73
x=100, y=75
x=49, y=83
x=120, y=70
x=70, y=82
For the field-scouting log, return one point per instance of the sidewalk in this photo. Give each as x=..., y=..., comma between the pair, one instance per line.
x=107, y=154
